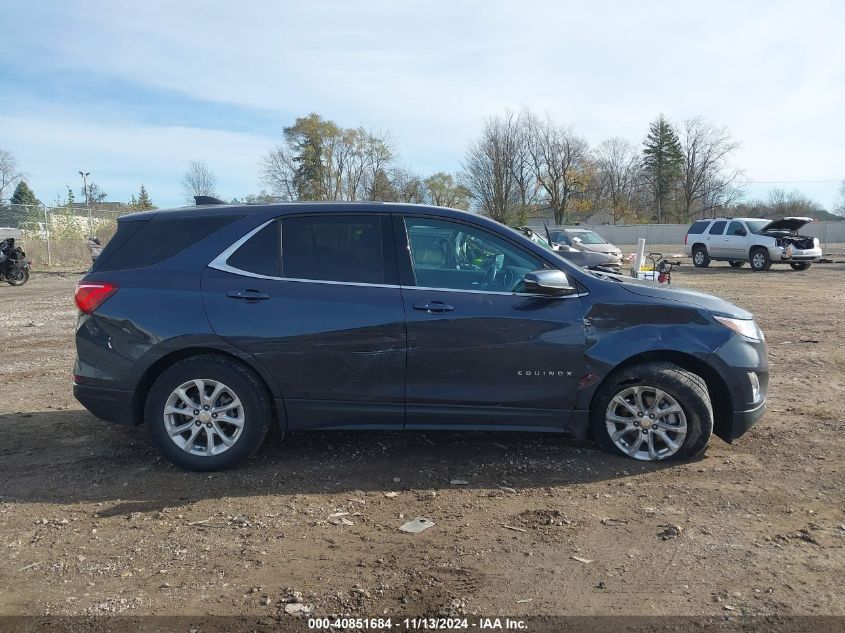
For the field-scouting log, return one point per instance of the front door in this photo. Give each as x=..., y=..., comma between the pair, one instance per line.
x=315, y=299
x=481, y=351
x=734, y=240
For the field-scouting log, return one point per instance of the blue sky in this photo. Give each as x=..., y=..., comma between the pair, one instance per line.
x=134, y=91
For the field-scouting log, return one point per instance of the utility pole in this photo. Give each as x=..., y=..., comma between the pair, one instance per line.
x=85, y=186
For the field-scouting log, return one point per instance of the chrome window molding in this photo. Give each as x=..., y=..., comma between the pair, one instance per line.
x=221, y=263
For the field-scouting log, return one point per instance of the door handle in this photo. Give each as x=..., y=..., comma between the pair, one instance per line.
x=250, y=296
x=435, y=307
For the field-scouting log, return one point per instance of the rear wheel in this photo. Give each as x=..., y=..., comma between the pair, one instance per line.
x=653, y=412
x=700, y=258
x=760, y=260
x=736, y=264
x=800, y=265
x=18, y=277
x=207, y=413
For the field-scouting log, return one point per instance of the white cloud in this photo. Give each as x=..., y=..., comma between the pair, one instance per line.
x=773, y=72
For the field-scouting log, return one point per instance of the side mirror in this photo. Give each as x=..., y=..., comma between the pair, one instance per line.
x=548, y=282
x=740, y=232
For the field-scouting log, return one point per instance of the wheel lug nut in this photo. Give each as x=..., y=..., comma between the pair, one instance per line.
x=196, y=411
x=197, y=422
x=214, y=415
x=205, y=407
x=640, y=414
x=208, y=425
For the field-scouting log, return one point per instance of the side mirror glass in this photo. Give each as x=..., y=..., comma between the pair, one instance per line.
x=740, y=232
x=548, y=282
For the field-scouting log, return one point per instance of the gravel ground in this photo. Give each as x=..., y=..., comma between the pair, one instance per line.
x=93, y=521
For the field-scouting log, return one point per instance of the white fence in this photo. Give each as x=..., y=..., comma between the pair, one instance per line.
x=55, y=237
x=830, y=234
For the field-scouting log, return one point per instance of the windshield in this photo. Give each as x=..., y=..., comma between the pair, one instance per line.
x=755, y=226
x=588, y=237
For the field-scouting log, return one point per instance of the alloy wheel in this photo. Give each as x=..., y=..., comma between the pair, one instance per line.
x=204, y=417
x=646, y=423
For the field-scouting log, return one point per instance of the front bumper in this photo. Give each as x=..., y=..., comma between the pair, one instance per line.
x=778, y=254
x=111, y=405
x=744, y=420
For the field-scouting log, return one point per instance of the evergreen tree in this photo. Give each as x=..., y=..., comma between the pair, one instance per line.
x=142, y=202
x=22, y=204
x=662, y=162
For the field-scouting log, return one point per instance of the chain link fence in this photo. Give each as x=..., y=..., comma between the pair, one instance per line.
x=56, y=238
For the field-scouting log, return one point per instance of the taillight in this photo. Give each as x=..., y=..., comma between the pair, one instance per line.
x=90, y=294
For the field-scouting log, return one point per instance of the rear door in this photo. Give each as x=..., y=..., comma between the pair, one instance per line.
x=713, y=239
x=481, y=351
x=315, y=299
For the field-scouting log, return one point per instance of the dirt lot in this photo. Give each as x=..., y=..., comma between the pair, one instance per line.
x=93, y=521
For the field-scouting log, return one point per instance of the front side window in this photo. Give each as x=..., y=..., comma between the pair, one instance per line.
x=718, y=228
x=333, y=248
x=736, y=228
x=457, y=256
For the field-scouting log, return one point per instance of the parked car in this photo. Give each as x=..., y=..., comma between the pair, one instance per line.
x=586, y=240
x=758, y=241
x=211, y=323
x=586, y=259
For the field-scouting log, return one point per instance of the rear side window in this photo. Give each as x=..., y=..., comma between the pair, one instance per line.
x=135, y=246
x=698, y=227
x=718, y=228
x=333, y=248
x=260, y=254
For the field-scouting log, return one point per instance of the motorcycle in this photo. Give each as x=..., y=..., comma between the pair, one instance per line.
x=14, y=266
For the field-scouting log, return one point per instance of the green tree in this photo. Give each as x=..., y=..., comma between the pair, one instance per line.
x=142, y=202
x=443, y=191
x=312, y=140
x=22, y=204
x=662, y=163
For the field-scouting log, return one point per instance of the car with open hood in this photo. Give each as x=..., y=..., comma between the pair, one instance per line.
x=759, y=241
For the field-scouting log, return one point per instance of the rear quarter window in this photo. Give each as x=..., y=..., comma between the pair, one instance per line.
x=718, y=228
x=156, y=240
x=698, y=227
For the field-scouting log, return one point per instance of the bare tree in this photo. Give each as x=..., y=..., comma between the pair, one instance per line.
x=840, y=209
x=198, y=180
x=407, y=186
x=489, y=168
x=558, y=159
x=706, y=180
x=443, y=190
x=617, y=163
x=9, y=172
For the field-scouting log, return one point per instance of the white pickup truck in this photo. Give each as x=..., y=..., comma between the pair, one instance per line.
x=758, y=241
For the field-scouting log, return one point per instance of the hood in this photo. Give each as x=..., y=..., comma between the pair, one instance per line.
x=712, y=304
x=787, y=224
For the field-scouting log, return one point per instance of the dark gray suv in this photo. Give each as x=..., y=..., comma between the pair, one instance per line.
x=210, y=323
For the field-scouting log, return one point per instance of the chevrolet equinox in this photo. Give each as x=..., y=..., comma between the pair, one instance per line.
x=210, y=323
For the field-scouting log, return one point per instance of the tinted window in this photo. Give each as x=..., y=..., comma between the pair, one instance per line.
x=588, y=237
x=736, y=228
x=260, y=254
x=458, y=256
x=698, y=227
x=718, y=228
x=560, y=237
x=156, y=240
x=333, y=248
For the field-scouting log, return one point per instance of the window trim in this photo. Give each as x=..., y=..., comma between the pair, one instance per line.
x=220, y=262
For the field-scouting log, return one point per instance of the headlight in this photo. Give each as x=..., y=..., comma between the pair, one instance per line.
x=746, y=327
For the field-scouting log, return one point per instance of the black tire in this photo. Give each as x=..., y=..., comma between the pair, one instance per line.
x=21, y=279
x=688, y=390
x=736, y=264
x=241, y=380
x=799, y=265
x=760, y=260
x=700, y=258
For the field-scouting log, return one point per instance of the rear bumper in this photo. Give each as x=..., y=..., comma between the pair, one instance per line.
x=111, y=405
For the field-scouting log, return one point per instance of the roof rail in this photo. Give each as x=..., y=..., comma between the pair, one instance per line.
x=203, y=200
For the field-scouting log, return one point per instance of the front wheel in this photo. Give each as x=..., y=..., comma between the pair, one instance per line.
x=800, y=265
x=653, y=412
x=736, y=264
x=207, y=413
x=18, y=277
x=760, y=260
